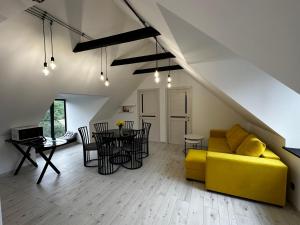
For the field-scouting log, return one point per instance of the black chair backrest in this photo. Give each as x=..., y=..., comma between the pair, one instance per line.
x=84, y=134
x=138, y=136
x=129, y=125
x=101, y=127
x=104, y=141
x=146, y=127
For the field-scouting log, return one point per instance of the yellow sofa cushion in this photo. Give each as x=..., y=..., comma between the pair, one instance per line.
x=232, y=130
x=218, y=145
x=195, y=163
x=251, y=146
x=235, y=138
x=269, y=155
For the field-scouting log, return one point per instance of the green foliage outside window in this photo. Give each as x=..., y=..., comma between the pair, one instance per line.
x=59, y=120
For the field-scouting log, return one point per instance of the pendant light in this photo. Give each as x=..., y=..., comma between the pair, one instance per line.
x=169, y=79
x=101, y=74
x=106, y=83
x=156, y=74
x=45, y=70
x=52, y=62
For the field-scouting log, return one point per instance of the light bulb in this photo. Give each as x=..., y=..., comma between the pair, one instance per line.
x=169, y=79
x=52, y=63
x=106, y=83
x=156, y=74
x=169, y=85
x=157, y=79
x=45, y=70
x=101, y=76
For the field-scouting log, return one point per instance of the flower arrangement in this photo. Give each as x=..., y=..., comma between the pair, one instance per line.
x=120, y=123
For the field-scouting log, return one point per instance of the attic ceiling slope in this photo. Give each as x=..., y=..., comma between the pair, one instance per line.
x=11, y=8
x=199, y=48
x=17, y=82
x=263, y=32
x=256, y=91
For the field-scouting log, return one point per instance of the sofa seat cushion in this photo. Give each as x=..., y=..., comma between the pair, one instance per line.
x=195, y=158
x=251, y=146
x=269, y=155
x=218, y=145
x=195, y=163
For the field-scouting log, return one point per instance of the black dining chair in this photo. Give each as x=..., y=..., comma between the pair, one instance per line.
x=101, y=127
x=146, y=127
x=129, y=125
x=106, y=150
x=133, y=146
x=88, y=147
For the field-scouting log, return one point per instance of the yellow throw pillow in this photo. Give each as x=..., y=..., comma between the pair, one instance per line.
x=251, y=146
x=236, y=138
x=231, y=130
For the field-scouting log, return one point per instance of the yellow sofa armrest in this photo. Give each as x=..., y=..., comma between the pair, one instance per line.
x=218, y=133
x=254, y=178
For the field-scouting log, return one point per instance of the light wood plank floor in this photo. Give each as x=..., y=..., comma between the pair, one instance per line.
x=156, y=194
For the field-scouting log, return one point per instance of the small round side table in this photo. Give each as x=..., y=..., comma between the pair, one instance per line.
x=194, y=140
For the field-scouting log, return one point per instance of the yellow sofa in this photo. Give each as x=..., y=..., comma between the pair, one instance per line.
x=258, y=178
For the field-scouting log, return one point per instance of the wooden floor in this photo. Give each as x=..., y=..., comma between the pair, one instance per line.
x=156, y=194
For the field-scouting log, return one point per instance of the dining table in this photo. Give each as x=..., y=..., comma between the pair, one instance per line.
x=123, y=138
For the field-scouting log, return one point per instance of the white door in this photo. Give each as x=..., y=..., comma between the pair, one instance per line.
x=149, y=111
x=179, y=114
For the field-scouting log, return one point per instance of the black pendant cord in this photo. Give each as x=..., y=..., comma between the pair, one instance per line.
x=156, y=62
x=44, y=42
x=169, y=67
x=106, y=64
x=51, y=38
x=101, y=63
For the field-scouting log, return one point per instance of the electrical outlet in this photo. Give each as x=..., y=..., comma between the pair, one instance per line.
x=292, y=186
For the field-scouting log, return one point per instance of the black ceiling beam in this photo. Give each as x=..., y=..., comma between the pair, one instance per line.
x=117, y=39
x=160, y=69
x=144, y=58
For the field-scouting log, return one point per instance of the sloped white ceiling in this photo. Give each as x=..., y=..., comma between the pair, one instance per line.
x=202, y=38
x=264, y=32
x=10, y=8
x=25, y=94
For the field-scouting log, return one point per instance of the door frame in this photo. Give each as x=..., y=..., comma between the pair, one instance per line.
x=139, y=110
x=189, y=88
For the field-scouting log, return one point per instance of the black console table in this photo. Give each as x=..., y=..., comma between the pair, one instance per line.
x=41, y=145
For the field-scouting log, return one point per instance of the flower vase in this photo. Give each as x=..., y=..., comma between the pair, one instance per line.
x=120, y=130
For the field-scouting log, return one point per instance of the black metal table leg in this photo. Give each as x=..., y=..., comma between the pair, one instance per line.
x=48, y=162
x=26, y=155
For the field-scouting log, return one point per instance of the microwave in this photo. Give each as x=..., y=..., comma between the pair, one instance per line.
x=26, y=133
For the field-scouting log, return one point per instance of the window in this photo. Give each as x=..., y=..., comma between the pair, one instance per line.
x=54, y=122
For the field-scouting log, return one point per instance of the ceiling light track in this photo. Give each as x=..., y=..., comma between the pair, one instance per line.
x=44, y=15
x=142, y=21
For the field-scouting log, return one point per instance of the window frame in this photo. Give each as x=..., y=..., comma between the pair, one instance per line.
x=52, y=117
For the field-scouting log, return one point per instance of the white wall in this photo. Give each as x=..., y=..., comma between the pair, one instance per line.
x=275, y=142
x=208, y=111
